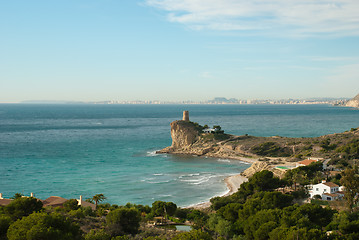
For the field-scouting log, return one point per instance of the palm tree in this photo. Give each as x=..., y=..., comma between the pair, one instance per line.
x=98, y=198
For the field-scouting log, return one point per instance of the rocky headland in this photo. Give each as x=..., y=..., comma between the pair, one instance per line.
x=263, y=152
x=354, y=102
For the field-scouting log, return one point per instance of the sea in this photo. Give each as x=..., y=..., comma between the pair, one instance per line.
x=86, y=149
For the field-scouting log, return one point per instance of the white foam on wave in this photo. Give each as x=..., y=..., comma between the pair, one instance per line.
x=194, y=205
x=224, y=160
x=189, y=175
x=197, y=179
x=151, y=153
x=157, y=182
x=224, y=193
x=166, y=195
x=245, y=162
x=158, y=174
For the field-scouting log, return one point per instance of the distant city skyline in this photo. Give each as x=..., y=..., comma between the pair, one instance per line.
x=178, y=50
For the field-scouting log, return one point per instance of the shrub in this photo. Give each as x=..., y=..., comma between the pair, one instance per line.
x=270, y=149
x=23, y=206
x=71, y=204
x=97, y=235
x=123, y=221
x=44, y=226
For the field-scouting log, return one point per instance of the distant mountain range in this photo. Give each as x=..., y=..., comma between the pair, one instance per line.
x=218, y=100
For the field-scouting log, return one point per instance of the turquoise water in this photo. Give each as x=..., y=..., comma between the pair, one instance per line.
x=72, y=150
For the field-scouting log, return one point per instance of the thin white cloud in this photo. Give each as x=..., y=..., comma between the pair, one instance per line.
x=295, y=17
x=334, y=59
x=206, y=75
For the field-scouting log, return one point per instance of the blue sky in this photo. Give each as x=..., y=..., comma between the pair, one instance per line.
x=87, y=50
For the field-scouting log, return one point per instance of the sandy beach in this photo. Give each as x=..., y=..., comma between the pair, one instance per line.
x=235, y=181
x=232, y=182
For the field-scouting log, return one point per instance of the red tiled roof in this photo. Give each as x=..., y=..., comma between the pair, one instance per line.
x=306, y=162
x=330, y=184
x=88, y=204
x=331, y=194
x=4, y=201
x=54, y=201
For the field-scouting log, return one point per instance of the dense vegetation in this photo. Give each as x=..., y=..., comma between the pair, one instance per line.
x=341, y=147
x=256, y=211
x=260, y=209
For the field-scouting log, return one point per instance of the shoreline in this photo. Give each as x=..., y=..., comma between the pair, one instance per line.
x=232, y=182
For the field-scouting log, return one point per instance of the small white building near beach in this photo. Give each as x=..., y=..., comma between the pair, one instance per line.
x=209, y=130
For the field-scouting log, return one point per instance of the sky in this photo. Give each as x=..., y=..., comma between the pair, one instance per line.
x=176, y=50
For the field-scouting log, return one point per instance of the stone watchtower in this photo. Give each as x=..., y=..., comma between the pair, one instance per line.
x=185, y=116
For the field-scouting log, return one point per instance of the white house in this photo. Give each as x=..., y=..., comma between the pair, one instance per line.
x=327, y=190
x=209, y=130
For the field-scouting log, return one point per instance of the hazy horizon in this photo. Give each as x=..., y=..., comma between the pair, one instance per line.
x=174, y=102
x=178, y=50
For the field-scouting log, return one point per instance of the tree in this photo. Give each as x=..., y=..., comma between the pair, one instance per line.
x=198, y=217
x=160, y=208
x=217, y=128
x=350, y=181
x=315, y=215
x=98, y=198
x=17, y=195
x=264, y=181
x=97, y=235
x=4, y=225
x=219, y=225
x=44, y=226
x=23, y=206
x=71, y=204
x=193, y=235
x=123, y=221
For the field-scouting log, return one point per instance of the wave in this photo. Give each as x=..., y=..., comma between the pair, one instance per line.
x=247, y=163
x=157, y=182
x=199, y=180
x=165, y=195
x=224, y=160
x=151, y=153
x=147, y=179
x=189, y=175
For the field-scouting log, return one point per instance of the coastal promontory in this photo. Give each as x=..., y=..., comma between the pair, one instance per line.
x=193, y=139
x=354, y=102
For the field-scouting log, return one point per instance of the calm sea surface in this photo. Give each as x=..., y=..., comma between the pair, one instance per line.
x=72, y=150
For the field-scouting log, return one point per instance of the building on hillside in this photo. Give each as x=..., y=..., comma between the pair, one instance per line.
x=85, y=203
x=305, y=162
x=7, y=201
x=54, y=201
x=4, y=201
x=209, y=130
x=327, y=190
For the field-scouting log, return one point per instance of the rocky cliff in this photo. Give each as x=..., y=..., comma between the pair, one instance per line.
x=353, y=102
x=184, y=134
x=188, y=138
